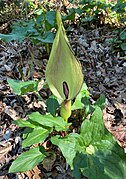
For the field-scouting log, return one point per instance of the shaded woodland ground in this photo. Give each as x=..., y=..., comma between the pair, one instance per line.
x=104, y=69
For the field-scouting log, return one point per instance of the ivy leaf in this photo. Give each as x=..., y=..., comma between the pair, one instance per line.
x=51, y=17
x=48, y=37
x=10, y=37
x=20, y=31
x=20, y=87
x=28, y=160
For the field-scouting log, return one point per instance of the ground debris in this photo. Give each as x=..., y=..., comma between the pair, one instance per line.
x=104, y=73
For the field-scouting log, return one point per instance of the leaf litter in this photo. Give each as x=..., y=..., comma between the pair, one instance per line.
x=104, y=73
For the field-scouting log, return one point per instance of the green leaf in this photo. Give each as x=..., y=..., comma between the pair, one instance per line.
x=96, y=126
x=70, y=16
x=68, y=147
x=52, y=105
x=108, y=161
x=48, y=37
x=123, y=46
x=36, y=135
x=23, y=123
x=89, y=165
x=26, y=131
x=119, y=7
x=88, y=108
x=78, y=104
x=114, y=163
x=94, y=152
x=79, y=165
x=20, y=87
x=95, y=168
x=27, y=88
x=48, y=120
x=123, y=35
x=100, y=102
x=76, y=142
x=39, y=19
x=51, y=17
x=103, y=158
x=112, y=157
x=28, y=160
x=63, y=67
x=10, y=37
x=87, y=19
x=20, y=31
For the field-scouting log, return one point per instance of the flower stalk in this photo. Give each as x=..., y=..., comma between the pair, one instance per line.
x=65, y=110
x=63, y=72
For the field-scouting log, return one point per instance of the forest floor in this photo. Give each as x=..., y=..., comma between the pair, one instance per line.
x=104, y=70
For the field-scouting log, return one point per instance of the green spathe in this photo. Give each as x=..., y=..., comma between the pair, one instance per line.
x=63, y=67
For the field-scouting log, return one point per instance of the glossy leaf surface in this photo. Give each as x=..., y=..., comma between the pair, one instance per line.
x=49, y=121
x=36, y=135
x=28, y=160
x=94, y=153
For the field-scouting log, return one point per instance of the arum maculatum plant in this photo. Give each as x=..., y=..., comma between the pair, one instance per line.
x=63, y=72
x=89, y=149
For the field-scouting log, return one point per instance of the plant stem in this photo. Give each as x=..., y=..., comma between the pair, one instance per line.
x=65, y=110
